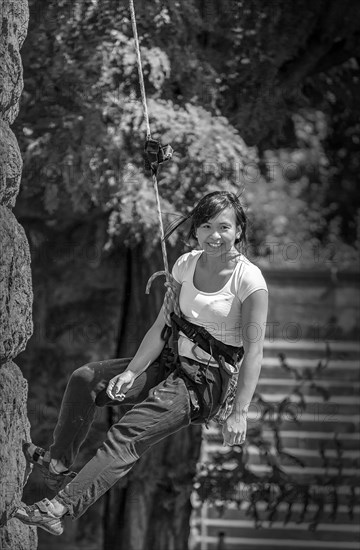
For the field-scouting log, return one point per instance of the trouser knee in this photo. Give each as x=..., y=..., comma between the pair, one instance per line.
x=83, y=375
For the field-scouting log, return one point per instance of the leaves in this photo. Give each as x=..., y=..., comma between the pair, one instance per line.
x=81, y=127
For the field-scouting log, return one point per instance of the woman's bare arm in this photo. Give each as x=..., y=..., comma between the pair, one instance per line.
x=254, y=315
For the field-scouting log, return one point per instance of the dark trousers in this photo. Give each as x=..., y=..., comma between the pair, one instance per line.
x=158, y=404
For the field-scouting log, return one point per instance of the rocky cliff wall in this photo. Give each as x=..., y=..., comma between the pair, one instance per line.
x=15, y=284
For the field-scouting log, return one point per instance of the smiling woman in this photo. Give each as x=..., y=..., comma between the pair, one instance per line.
x=222, y=296
x=218, y=284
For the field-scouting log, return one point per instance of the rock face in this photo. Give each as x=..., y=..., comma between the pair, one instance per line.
x=10, y=165
x=14, y=18
x=15, y=284
x=14, y=429
x=16, y=295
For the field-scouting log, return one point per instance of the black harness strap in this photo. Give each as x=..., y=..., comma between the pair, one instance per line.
x=221, y=352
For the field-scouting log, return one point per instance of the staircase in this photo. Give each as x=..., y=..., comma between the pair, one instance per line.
x=321, y=420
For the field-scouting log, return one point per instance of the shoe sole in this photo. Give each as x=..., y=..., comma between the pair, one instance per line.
x=57, y=528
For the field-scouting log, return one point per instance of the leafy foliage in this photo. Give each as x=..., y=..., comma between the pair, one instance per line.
x=81, y=125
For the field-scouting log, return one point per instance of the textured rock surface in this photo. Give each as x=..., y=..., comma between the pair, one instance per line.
x=10, y=166
x=14, y=16
x=14, y=429
x=15, y=281
x=15, y=286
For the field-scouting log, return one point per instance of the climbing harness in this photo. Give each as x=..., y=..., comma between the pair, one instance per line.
x=154, y=155
x=227, y=357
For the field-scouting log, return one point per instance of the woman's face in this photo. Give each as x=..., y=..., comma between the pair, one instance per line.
x=217, y=235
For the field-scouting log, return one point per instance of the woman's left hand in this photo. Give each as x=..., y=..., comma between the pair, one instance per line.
x=234, y=429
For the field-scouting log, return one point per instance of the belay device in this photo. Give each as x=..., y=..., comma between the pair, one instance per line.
x=155, y=154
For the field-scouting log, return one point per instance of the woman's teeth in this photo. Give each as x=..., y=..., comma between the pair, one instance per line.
x=214, y=245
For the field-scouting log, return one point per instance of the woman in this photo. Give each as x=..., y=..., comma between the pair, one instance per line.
x=224, y=297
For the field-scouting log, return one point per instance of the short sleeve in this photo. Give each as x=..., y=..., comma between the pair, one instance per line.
x=175, y=272
x=251, y=280
x=179, y=268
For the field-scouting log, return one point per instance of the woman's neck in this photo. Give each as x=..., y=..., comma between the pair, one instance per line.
x=216, y=263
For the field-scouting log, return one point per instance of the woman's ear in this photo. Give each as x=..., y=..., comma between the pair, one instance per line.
x=238, y=234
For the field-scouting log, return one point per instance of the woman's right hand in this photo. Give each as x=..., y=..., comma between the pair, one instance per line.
x=120, y=384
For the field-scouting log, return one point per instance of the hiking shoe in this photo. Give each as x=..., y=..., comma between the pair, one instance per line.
x=40, y=515
x=41, y=458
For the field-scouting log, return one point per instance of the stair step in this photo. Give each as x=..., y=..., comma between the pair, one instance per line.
x=311, y=458
x=298, y=439
x=235, y=513
x=303, y=345
x=335, y=387
x=311, y=348
x=346, y=375
x=258, y=543
x=350, y=421
x=310, y=422
x=335, y=408
x=300, y=453
x=241, y=491
x=277, y=528
x=214, y=430
x=311, y=399
x=308, y=471
x=313, y=441
x=303, y=363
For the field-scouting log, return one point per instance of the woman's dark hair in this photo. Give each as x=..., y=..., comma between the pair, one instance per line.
x=210, y=206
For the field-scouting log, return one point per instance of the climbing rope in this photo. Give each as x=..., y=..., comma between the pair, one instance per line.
x=163, y=153
x=139, y=66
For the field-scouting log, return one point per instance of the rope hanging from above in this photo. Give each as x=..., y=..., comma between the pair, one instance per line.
x=155, y=154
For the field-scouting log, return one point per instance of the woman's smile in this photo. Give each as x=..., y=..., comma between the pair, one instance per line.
x=218, y=233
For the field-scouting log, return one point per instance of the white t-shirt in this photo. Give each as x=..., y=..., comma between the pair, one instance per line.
x=219, y=312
